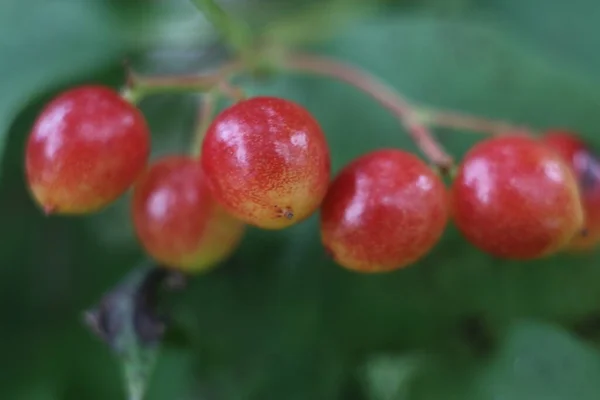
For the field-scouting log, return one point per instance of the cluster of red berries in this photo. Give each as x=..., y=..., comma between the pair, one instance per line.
x=265, y=162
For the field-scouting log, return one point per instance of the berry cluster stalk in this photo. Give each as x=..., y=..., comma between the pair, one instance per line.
x=382, y=93
x=205, y=114
x=461, y=121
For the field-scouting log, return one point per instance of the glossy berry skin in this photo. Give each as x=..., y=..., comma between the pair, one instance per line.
x=515, y=198
x=86, y=148
x=177, y=220
x=586, y=166
x=267, y=161
x=383, y=211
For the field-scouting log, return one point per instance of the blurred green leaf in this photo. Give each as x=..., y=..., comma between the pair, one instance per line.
x=541, y=361
x=533, y=361
x=566, y=31
x=315, y=22
x=389, y=377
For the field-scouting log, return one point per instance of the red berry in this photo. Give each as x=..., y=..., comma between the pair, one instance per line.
x=384, y=211
x=178, y=221
x=515, y=198
x=86, y=148
x=586, y=166
x=267, y=161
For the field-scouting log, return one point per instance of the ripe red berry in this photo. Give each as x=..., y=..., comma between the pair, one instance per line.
x=515, y=198
x=586, y=166
x=384, y=211
x=177, y=220
x=267, y=161
x=86, y=148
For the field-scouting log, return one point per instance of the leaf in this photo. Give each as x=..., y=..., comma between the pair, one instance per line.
x=541, y=361
x=389, y=377
x=314, y=22
x=127, y=320
x=534, y=361
x=562, y=30
x=48, y=42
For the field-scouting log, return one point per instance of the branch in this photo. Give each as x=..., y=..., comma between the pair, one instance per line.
x=382, y=93
x=461, y=121
x=141, y=86
x=203, y=120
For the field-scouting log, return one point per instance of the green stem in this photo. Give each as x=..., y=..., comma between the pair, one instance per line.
x=205, y=114
x=131, y=95
x=139, y=87
x=235, y=32
x=143, y=87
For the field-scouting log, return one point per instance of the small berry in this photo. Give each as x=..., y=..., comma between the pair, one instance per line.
x=267, y=161
x=515, y=198
x=383, y=211
x=177, y=220
x=586, y=166
x=86, y=149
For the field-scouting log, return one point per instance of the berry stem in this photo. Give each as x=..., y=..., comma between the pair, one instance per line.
x=460, y=121
x=382, y=93
x=205, y=114
x=139, y=86
x=234, y=93
x=416, y=119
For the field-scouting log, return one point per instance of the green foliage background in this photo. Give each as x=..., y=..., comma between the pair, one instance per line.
x=279, y=320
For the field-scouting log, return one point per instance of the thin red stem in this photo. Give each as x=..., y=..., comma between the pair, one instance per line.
x=415, y=119
x=471, y=123
x=382, y=93
x=230, y=91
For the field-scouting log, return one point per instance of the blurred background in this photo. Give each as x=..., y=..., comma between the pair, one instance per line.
x=279, y=320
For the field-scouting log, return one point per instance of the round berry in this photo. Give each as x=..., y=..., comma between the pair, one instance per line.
x=177, y=220
x=586, y=166
x=267, y=161
x=86, y=149
x=383, y=211
x=515, y=198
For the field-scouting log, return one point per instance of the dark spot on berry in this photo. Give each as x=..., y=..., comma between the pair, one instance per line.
x=287, y=212
x=284, y=212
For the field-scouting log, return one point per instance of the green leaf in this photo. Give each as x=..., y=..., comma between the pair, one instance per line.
x=565, y=31
x=541, y=361
x=48, y=42
x=126, y=319
x=533, y=361
x=293, y=28
x=389, y=377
